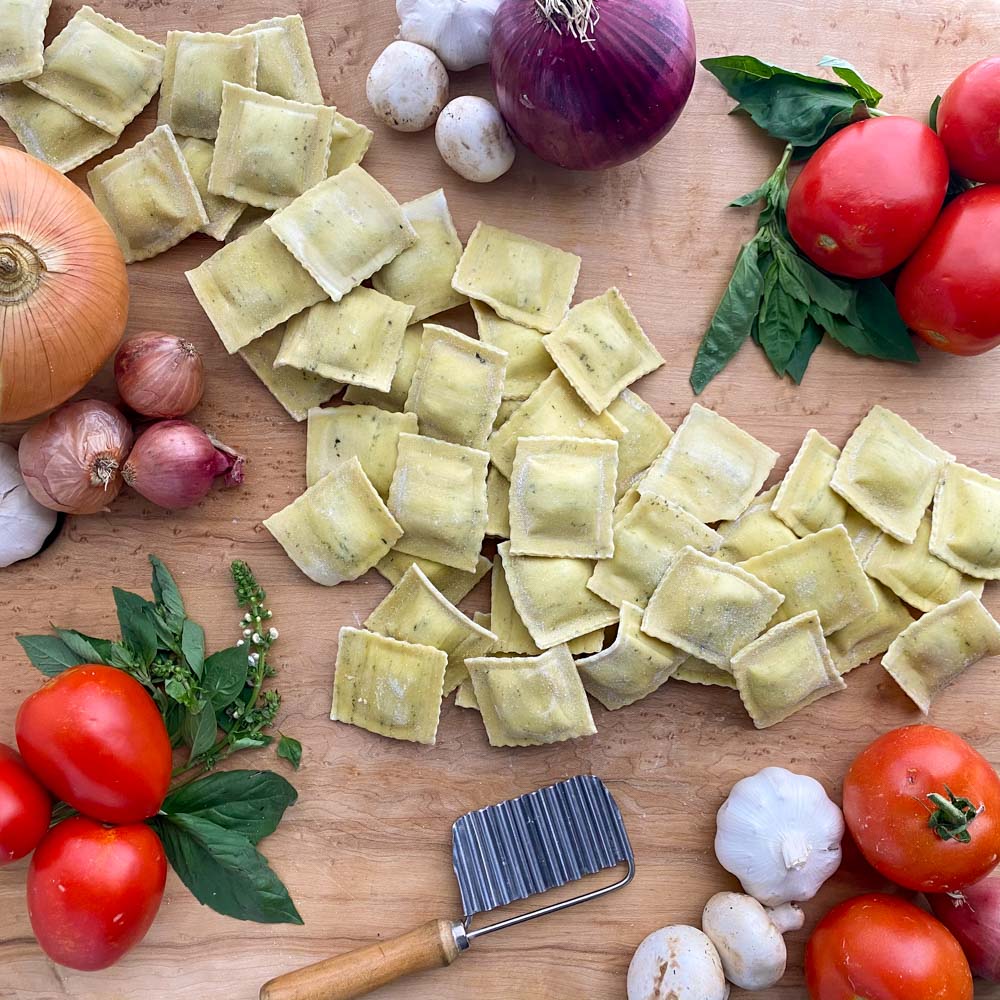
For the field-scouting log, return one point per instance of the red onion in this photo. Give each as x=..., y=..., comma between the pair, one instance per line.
x=973, y=916
x=590, y=84
x=160, y=375
x=174, y=464
x=71, y=461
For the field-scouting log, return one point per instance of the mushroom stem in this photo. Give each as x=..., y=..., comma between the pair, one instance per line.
x=787, y=917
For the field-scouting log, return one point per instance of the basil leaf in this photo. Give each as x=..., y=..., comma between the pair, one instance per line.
x=224, y=870
x=932, y=115
x=138, y=625
x=850, y=76
x=193, y=646
x=167, y=595
x=812, y=334
x=732, y=321
x=174, y=717
x=198, y=730
x=49, y=654
x=251, y=742
x=879, y=315
x=790, y=273
x=822, y=289
x=123, y=658
x=225, y=675
x=93, y=650
x=856, y=337
x=782, y=320
x=291, y=750
x=250, y=803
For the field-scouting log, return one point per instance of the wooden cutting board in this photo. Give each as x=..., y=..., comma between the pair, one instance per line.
x=366, y=851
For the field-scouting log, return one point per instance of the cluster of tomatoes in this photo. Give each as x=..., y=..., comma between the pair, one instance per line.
x=94, y=739
x=870, y=199
x=924, y=809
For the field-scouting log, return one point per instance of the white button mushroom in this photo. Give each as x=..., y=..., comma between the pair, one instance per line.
x=408, y=87
x=473, y=140
x=676, y=963
x=748, y=938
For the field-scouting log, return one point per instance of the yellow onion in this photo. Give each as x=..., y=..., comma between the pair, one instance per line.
x=160, y=375
x=63, y=288
x=72, y=461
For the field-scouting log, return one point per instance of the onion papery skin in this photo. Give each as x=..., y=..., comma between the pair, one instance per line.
x=174, y=464
x=63, y=288
x=589, y=107
x=973, y=916
x=160, y=375
x=72, y=460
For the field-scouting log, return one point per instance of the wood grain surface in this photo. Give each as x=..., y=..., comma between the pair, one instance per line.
x=366, y=851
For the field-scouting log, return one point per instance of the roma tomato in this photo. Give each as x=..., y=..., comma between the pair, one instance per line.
x=94, y=890
x=25, y=808
x=883, y=948
x=924, y=808
x=868, y=196
x=949, y=290
x=968, y=122
x=97, y=740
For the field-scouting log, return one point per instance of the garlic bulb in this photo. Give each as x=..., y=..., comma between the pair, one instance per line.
x=457, y=30
x=24, y=522
x=780, y=835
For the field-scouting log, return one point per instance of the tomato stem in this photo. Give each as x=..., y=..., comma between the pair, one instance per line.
x=951, y=818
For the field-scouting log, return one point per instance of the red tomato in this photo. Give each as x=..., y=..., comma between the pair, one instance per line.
x=25, y=808
x=94, y=890
x=968, y=121
x=868, y=196
x=949, y=290
x=97, y=740
x=890, y=811
x=883, y=948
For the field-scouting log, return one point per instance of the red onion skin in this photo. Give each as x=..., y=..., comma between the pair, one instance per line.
x=71, y=461
x=589, y=108
x=174, y=464
x=160, y=375
x=973, y=916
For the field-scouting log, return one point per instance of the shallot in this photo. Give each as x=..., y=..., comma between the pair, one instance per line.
x=160, y=375
x=72, y=460
x=174, y=464
x=973, y=916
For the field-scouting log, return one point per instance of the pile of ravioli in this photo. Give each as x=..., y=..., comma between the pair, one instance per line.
x=241, y=121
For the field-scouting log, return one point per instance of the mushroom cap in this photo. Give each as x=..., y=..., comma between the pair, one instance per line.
x=473, y=140
x=407, y=87
x=676, y=963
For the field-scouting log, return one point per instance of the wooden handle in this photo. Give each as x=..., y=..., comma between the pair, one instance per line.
x=431, y=946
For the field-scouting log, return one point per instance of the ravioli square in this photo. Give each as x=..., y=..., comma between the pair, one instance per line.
x=388, y=687
x=23, y=38
x=454, y=584
x=709, y=608
x=646, y=540
x=148, y=196
x=711, y=468
x=416, y=611
x=197, y=67
x=222, y=212
x=888, y=472
x=285, y=64
x=395, y=399
x=755, y=531
x=632, y=667
x=523, y=280
x=601, y=349
x=250, y=286
x=48, y=131
x=511, y=632
x=528, y=363
x=269, y=150
x=914, y=574
x=100, y=70
x=421, y=275
x=785, y=670
x=349, y=143
x=562, y=494
x=531, y=701
x=966, y=522
x=343, y=230
x=456, y=387
x=438, y=495
x=695, y=671
x=646, y=435
x=497, y=504
x=552, y=599
x=552, y=410
x=339, y=433
x=297, y=392
x=934, y=651
x=870, y=635
x=356, y=341
x=820, y=573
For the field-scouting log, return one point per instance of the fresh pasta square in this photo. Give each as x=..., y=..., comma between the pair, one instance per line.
x=966, y=522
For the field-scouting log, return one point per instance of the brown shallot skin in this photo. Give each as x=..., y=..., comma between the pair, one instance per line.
x=160, y=375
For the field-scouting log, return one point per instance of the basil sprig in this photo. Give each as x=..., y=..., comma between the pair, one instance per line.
x=776, y=296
